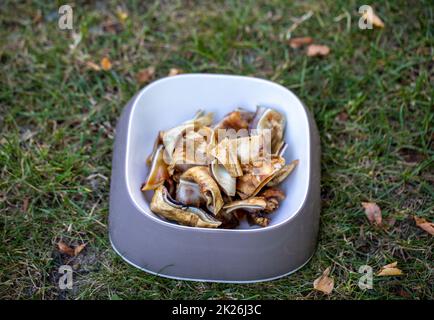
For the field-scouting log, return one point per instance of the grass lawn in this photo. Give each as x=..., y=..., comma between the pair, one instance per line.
x=372, y=98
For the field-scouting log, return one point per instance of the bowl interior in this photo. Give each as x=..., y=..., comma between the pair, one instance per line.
x=170, y=101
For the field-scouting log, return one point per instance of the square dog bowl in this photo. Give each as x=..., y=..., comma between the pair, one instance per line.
x=246, y=254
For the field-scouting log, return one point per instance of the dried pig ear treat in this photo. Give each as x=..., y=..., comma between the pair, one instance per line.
x=158, y=172
x=267, y=118
x=215, y=175
x=165, y=206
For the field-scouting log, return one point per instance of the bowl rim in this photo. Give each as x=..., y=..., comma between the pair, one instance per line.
x=152, y=215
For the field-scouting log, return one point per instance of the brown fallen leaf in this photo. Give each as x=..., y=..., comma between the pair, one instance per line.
x=425, y=225
x=317, y=50
x=324, y=283
x=404, y=294
x=342, y=117
x=25, y=204
x=174, y=72
x=106, y=64
x=390, y=270
x=93, y=66
x=112, y=26
x=373, y=212
x=296, y=43
x=145, y=75
x=411, y=156
x=72, y=252
x=65, y=249
x=38, y=16
x=79, y=248
x=373, y=19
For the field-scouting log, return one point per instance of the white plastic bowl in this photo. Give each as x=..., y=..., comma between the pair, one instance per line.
x=246, y=254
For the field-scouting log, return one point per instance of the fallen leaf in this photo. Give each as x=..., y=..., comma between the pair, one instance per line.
x=324, y=283
x=174, y=72
x=122, y=15
x=112, y=26
x=404, y=293
x=93, y=66
x=106, y=64
x=38, y=17
x=342, y=117
x=411, y=156
x=79, y=248
x=425, y=225
x=317, y=50
x=390, y=270
x=373, y=212
x=65, y=249
x=373, y=19
x=390, y=265
x=25, y=204
x=145, y=75
x=72, y=252
x=296, y=43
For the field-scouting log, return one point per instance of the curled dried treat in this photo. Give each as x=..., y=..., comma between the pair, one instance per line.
x=189, y=194
x=283, y=173
x=258, y=219
x=267, y=118
x=158, y=172
x=254, y=204
x=227, y=183
x=162, y=204
x=208, y=187
x=191, y=150
x=273, y=197
x=257, y=175
x=172, y=136
x=237, y=119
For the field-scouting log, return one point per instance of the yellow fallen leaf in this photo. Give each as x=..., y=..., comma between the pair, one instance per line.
x=79, y=248
x=317, y=50
x=145, y=75
x=299, y=42
x=106, y=64
x=93, y=66
x=425, y=225
x=390, y=265
x=373, y=212
x=65, y=249
x=324, y=283
x=122, y=15
x=373, y=19
x=174, y=72
x=390, y=270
